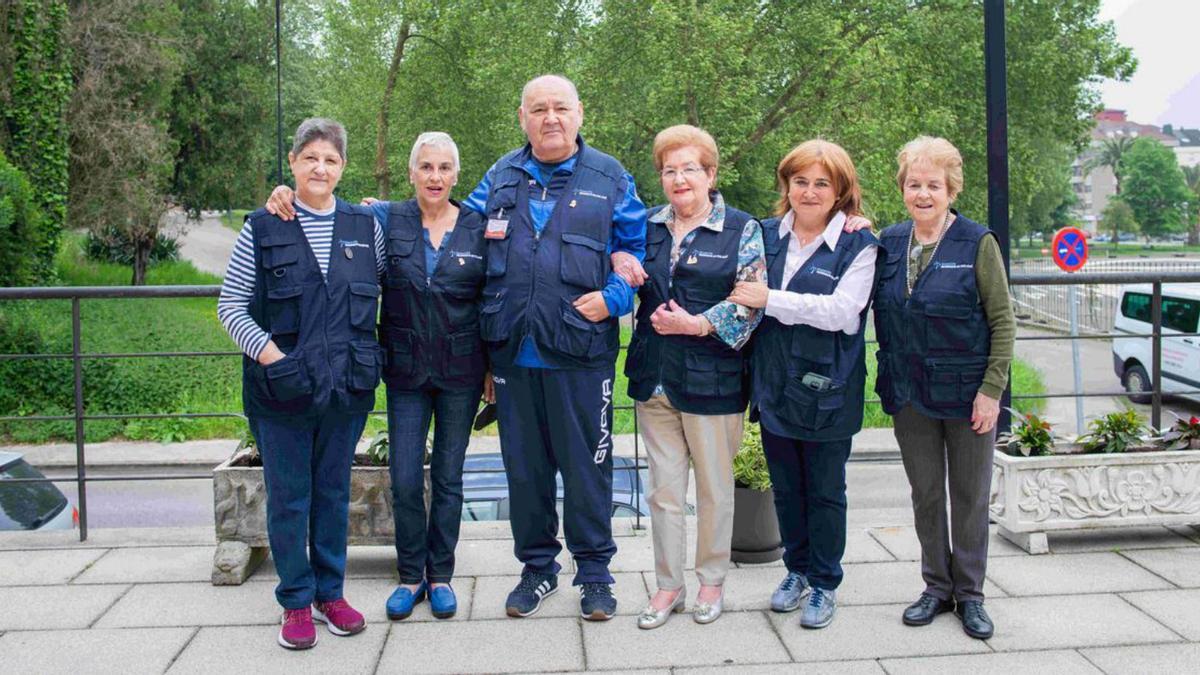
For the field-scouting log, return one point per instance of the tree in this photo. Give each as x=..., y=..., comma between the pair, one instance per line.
x=1154, y=187
x=1110, y=154
x=1118, y=217
x=1191, y=175
x=20, y=225
x=126, y=55
x=35, y=86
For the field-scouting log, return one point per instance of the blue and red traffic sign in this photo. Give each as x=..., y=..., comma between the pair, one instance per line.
x=1070, y=249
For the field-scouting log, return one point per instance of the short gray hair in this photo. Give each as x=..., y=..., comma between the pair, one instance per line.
x=432, y=139
x=320, y=129
x=549, y=76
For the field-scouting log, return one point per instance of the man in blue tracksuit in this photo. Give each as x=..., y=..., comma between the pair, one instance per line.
x=556, y=209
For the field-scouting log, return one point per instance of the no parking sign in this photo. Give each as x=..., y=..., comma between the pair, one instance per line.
x=1069, y=249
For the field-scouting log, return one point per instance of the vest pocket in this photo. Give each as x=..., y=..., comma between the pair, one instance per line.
x=711, y=376
x=287, y=379
x=809, y=409
x=466, y=354
x=813, y=345
x=954, y=380
x=399, y=355
x=497, y=255
x=582, y=261
x=883, y=375
x=364, y=366
x=948, y=327
x=576, y=334
x=491, y=319
x=363, y=304
x=635, y=358
x=283, y=310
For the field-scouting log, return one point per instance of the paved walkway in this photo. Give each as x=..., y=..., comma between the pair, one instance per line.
x=207, y=243
x=134, y=601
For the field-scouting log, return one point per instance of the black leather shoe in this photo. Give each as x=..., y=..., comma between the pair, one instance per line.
x=921, y=612
x=975, y=619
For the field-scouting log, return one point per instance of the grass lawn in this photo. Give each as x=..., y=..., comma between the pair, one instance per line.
x=233, y=219
x=193, y=384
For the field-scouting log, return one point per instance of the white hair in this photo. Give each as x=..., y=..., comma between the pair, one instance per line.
x=433, y=139
x=541, y=79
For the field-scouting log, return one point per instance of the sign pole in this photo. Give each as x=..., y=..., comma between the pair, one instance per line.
x=1073, y=299
x=1070, y=253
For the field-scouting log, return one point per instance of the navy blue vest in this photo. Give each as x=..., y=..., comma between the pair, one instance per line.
x=533, y=279
x=933, y=346
x=783, y=355
x=700, y=375
x=326, y=328
x=429, y=328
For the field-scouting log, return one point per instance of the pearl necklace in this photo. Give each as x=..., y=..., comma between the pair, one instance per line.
x=914, y=258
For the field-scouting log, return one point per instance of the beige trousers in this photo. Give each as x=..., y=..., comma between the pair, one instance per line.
x=709, y=441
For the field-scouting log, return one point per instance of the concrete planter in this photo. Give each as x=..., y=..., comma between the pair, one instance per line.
x=1032, y=496
x=755, y=527
x=240, y=515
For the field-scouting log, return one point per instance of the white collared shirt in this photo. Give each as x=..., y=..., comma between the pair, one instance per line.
x=840, y=309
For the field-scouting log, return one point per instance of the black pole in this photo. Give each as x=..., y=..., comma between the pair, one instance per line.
x=278, y=95
x=995, y=82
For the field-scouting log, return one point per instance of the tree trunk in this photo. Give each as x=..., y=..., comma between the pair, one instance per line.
x=383, y=174
x=141, y=258
x=1194, y=235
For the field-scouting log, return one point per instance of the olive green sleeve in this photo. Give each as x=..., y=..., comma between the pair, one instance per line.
x=997, y=308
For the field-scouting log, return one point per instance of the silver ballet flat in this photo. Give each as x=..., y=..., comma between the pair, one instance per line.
x=653, y=618
x=706, y=612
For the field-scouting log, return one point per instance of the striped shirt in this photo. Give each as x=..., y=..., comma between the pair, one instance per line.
x=233, y=307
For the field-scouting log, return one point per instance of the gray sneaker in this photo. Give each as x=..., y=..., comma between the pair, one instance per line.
x=790, y=593
x=818, y=613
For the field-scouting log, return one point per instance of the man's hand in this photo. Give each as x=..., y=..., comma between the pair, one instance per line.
x=270, y=354
x=984, y=412
x=671, y=319
x=592, y=306
x=856, y=223
x=627, y=267
x=280, y=202
x=751, y=294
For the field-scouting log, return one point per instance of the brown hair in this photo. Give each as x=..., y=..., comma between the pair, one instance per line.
x=682, y=136
x=937, y=152
x=835, y=160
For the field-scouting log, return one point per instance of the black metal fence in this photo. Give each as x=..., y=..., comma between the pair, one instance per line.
x=77, y=356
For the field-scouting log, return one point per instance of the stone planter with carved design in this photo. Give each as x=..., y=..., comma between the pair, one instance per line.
x=1034, y=496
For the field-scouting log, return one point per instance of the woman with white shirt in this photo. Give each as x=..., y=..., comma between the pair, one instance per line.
x=808, y=368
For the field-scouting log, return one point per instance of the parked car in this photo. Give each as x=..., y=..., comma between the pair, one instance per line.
x=1180, y=353
x=1101, y=239
x=31, y=506
x=1126, y=236
x=485, y=489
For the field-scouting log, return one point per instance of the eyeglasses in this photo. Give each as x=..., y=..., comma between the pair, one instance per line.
x=688, y=172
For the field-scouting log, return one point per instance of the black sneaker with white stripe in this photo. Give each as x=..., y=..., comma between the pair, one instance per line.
x=526, y=598
x=596, y=601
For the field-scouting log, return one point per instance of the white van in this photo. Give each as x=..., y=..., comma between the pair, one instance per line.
x=1180, y=355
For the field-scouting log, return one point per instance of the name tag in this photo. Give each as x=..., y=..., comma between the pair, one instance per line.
x=496, y=228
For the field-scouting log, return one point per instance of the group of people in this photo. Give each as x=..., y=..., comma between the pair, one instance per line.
x=513, y=295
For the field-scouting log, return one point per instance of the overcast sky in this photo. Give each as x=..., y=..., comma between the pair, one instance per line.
x=1165, y=38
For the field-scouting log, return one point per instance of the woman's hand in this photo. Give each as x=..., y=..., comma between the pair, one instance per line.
x=671, y=319
x=367, y=201
x=280, y=202
x=856, y=223
x=984, y=412
x=627, y=267
x=270, y=354
x=489, y=388
x=751, y=294
x=592, y=306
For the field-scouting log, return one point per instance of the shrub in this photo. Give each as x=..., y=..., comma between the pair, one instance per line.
x=1031, y=435
x=750, y=464
x=20, y=223
x=112, y=245
x=1114, y=432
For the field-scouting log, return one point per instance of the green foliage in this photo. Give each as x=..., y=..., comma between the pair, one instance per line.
x=34, y=90
x=1154, y=187
x=1114, y=432
x=377, y=450
x=1031, y=436
x=1184, y=434
x=1118, y=217
x=112, y=245
x=750, y=463
x=20, y=227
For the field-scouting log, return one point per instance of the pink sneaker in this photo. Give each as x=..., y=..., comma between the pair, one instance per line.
x=341, y=618
x=298, y=631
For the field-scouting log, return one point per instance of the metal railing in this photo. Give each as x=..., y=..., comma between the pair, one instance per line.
x=77, y=356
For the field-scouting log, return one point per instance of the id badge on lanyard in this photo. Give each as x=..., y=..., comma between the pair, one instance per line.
x=497, y=228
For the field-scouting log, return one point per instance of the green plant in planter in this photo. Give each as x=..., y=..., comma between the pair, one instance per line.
x=1031, y=437
x=750, y=464
x=1114, y=432
x=1184, y=434
x=378, y=450
x=248, y=443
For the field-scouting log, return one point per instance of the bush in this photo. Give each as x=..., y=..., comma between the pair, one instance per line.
x=750, y=464
x=20, y=222
x=112, y=245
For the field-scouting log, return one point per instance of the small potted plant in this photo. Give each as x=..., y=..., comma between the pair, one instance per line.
x=1118, y=432
x=1031, y=437
x=755, y=527
x=1184, y=435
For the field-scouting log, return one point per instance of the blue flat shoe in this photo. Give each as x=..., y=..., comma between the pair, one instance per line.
x=442, y=601
x=400, y=604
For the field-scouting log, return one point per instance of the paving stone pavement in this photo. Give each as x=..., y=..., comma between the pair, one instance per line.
x=139, y=601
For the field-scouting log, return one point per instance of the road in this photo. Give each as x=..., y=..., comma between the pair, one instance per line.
x=207, y=243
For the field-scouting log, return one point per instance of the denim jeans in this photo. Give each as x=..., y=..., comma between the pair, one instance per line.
x=306, y=467
x=425, y=544
x=809, y=482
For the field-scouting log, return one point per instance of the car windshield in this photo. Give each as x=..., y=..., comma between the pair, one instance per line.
x=27, y=506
